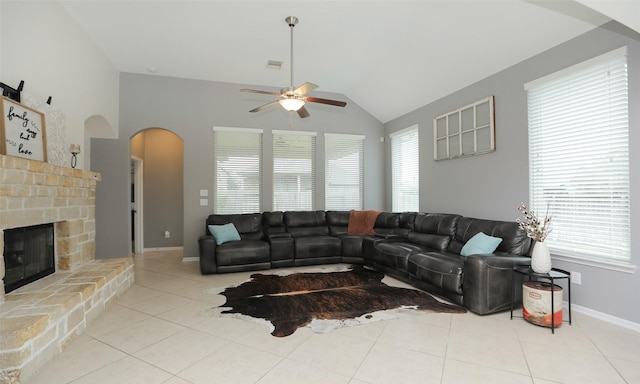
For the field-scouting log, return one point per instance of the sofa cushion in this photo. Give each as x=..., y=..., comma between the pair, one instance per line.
x=442, y=270
x=395, y=254
x=224, y=233
x=306, y=223
x=242, y=252
x=480, y=244
x=316, y=246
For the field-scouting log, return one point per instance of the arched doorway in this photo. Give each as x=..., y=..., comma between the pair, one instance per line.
x=157, y=174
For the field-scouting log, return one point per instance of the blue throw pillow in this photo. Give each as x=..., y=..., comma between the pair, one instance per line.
x=224, y=233
x=480, y=244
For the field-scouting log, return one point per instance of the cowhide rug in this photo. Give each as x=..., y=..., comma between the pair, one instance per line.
x=323, y=301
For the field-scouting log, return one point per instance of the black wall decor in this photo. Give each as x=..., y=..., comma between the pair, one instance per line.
x=12, y=93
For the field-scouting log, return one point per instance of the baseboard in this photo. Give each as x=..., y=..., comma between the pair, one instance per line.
x=189, y=259
x=605, y=317
x=157, y=249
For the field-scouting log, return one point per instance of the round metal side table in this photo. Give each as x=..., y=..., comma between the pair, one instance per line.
x=554, y=274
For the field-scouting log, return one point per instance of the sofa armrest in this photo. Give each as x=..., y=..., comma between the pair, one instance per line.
x=281, y=249
x=390, y=236
x=207, y=248
x=276, y=236
x=487, y=282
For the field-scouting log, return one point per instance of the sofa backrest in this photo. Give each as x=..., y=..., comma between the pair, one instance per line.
x=273, y=222
x=514, y=239
x=407, y=220
x=306, y=223
x=249, y=225
x=338, y=222
x=435, y=230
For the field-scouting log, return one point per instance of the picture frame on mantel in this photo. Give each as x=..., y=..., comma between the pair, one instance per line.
x=22, y=131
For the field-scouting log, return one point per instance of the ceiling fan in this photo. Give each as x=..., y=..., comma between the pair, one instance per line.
x=294, y=99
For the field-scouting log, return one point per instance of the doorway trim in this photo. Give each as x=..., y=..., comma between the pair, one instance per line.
x=138, y=205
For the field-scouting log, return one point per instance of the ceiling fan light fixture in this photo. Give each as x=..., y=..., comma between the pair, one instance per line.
x=291, y=104
x=292, y=99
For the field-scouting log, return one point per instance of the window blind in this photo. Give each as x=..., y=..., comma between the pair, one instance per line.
x=344, y=171
x=237, y=167
x=294, y=170
x=579, y=157
x=405, y=167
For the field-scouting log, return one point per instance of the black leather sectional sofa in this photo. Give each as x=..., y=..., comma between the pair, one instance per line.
x=422, y=249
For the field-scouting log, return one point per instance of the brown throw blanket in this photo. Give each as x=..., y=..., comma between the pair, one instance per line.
x=362, y=222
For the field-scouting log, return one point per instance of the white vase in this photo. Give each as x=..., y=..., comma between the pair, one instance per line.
x=540, y=258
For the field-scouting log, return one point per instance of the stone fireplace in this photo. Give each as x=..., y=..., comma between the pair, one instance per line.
x=40, y=318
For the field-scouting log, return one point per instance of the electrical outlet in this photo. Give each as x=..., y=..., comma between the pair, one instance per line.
x=167, y=234
x=576, y=278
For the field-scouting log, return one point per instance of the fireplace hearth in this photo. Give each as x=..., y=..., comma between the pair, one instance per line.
x=40, y=318
x=29, y=255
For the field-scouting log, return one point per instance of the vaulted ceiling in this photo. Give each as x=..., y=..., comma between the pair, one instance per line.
x=389, y=57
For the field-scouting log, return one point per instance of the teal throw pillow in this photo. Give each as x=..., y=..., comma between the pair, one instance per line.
x=224, y=233
x=480, y=244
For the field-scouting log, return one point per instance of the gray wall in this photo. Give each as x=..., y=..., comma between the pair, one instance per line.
x=190, y=109
x=113, y=212
x=492, y=185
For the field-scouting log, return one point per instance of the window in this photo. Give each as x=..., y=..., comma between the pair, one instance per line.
x=579, y=158
x=344, y=171
x=237, y=157
x=405, y=169
x=294, y=170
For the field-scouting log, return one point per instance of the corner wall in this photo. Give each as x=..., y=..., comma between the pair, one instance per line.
x=55, y=58
x=492, y=185
x=190, y=109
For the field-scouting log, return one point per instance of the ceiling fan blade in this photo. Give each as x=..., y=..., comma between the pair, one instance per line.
x=264, y=106
x=305, y=88
x=302, y=112
x=259, y=91
x=326, y=101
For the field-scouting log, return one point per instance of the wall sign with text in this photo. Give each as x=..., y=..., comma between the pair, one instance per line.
x=22, y=131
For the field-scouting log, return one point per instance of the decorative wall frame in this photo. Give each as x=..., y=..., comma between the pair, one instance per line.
x=22, y=131
x=466, y=131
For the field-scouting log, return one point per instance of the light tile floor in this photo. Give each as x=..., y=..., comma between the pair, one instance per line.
x=154, y=334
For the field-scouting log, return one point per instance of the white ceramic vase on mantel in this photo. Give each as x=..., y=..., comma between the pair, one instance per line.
x=541, y=258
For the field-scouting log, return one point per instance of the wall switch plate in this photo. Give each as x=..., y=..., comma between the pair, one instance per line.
x=204, y=202
x=204, y=192
x=167, y=234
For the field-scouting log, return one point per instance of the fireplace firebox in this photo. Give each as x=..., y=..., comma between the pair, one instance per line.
x=29, y=255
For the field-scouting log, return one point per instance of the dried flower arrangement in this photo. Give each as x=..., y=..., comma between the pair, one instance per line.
x=536, y=229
